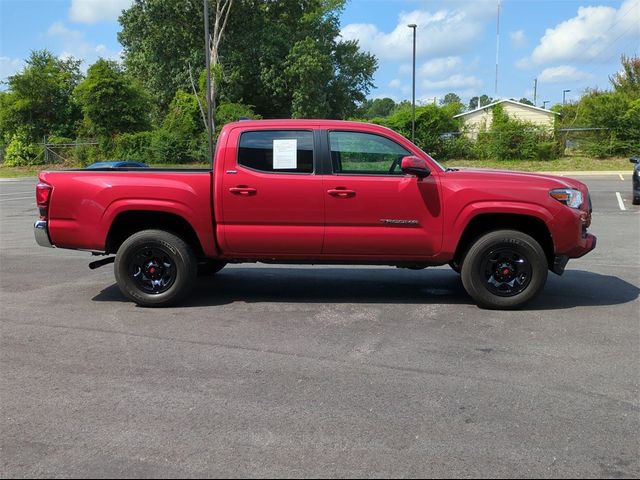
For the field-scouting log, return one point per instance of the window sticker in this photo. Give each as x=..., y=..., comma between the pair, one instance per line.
x=285, y=154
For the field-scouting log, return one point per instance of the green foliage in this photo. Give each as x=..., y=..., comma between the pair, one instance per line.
x=232, y=112
x=432, y=125
x=627, y=81
x=285, y=58
x=616, y=112
x=171, y=147
x=379, y=107
x=112, y=101
x=450, y=98
x=481, y=101
x=21, y=153
x=526, y=101
x=184, y=115
x=39, y=99
x=134, y=146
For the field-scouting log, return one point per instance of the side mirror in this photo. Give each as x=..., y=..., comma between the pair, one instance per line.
x=415, y=166
x=634, y=160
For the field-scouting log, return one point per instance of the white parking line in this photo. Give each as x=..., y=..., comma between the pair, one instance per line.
x=620, y=202
x=15, y=198
x=14, y=193
x=621, y=177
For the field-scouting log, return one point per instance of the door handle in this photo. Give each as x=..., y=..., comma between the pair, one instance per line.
x=341, y=192
x=242, y=190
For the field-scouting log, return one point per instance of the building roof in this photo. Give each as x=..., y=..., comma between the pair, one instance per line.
x=544, y=110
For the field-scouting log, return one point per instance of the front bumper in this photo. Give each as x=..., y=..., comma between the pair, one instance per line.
x=41, y=232
x=560, y=261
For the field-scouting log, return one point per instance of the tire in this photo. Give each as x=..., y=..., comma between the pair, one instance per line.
x=504, y=270
x=155, y=268
x=207, y=268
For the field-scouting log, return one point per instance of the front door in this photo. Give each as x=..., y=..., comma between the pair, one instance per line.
x=272, y=200
x=372, y=209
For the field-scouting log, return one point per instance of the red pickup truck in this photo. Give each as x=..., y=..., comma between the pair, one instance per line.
x=318, y=192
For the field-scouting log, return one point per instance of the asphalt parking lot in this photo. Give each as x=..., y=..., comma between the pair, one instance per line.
x=319, y=371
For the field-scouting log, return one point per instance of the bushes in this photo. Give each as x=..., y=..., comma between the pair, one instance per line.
x=21, y=153
x=133, y=146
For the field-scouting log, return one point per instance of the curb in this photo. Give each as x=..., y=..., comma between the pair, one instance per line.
x=17, y=179
x=588, y=173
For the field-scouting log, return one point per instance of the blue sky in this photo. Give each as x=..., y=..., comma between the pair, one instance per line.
x=565, y=44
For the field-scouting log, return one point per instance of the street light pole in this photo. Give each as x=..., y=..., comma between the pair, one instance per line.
x=413, y=97
x=563, y=95
x=544, y=104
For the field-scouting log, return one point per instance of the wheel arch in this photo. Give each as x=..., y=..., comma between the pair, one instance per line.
x=132, y=221
x=487, y=222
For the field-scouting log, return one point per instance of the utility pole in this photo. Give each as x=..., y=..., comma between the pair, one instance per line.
x=413, y=97
x=535, y=90
x=207, y=54
x=497, y=48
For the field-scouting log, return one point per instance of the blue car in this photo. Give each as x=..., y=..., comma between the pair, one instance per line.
x=117, y=164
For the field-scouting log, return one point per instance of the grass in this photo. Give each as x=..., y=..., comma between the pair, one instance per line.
x=563, y=164
x=568, y=164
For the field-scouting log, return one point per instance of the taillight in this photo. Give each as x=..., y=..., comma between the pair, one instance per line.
x=43, y=194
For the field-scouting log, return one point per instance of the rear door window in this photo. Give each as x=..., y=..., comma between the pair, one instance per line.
x=277, y=151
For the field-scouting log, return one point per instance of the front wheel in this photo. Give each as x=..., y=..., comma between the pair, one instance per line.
x=504, y=270
x=155, y=268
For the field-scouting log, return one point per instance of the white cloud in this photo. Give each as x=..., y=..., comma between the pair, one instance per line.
x=518, y=39
x=445, y=32
x=440, y=67
x=8, y=67
x=523, y=63
x=93, y=11
x=592, y=35
x=72, y=43
x=395, y=83
x=452, y=83
x=563, y=73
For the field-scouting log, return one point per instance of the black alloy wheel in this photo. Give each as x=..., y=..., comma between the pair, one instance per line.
x=506, y=270
x=152, y=269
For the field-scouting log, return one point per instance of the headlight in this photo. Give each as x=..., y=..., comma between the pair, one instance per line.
x=569, y=196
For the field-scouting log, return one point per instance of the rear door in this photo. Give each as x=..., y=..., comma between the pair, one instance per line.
x=372, y=209
x=272, y=199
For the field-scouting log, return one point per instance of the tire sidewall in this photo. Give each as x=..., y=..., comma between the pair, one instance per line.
x=181, y=255
x=475, y=283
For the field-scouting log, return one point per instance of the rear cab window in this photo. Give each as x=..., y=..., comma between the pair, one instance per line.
x=277, y=151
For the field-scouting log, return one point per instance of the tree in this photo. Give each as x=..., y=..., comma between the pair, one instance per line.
x=263, y=55
x=450, y=98
x=378, y=107
x=628, y=80
x=112, y=102
x=482, y=101
x=223, y=8
x=39, y=99
x=526, y=101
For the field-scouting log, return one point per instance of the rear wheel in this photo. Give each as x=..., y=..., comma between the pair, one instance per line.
x=155, y=268
x=504, y=269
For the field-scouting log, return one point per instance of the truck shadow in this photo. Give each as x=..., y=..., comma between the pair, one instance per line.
x=385, y=286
